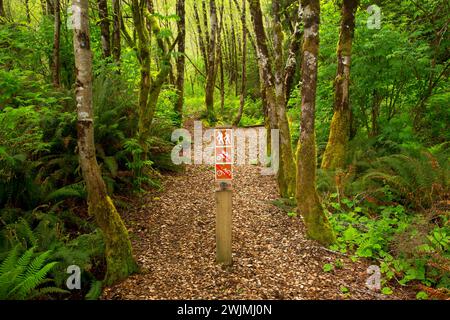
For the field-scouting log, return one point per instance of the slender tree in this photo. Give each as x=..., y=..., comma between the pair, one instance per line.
x=334, y=156
x=309, y=206
x=211, y=74
x=119, y=258
x=244, y=62
x=286, y=172
x=2, y=10
x=104, y=27
x=201, y=37
x=56, y=46
x=181, y=25
x=27, y=10
x=273, y=89
x=219, y=57
x=294, y=48
x=116, y=46
x=149, y=87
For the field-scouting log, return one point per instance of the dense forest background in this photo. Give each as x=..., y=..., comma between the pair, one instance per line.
x=382, y=153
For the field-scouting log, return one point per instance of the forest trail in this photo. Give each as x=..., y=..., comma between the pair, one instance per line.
x=173, y=238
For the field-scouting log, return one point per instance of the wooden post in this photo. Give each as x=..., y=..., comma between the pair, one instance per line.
x=223, y=193
x=223, y=227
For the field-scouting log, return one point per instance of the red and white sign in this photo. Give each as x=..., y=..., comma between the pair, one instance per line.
x=223, y=154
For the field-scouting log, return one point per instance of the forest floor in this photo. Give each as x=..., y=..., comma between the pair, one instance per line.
x=173, y=238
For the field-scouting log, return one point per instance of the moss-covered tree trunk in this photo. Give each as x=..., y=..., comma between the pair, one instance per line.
x=293, y=53
x=143, y=53
x=149, y=87
x=286, y=171
x=334, y=156
x=211, y=72
x=309, y=206
x=119, y=258
x=273, y=88
x=2, y=10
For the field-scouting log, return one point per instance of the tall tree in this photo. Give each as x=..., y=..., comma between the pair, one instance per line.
x=119, y=258
x=27, y=10
x=181, y=26
x=201, y=37
x=334, y=156
x=104, y=28
x=219, y=57
x=50, y=7
x=309, y=206
x=211, y=74
x=294, y=49
x=272, y=87
x=286, y=171
x=149, y=87
x=116, y=47
x=56, y=45
x=244, y=62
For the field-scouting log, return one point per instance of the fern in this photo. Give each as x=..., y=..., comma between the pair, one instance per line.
x=95, y=291
x=418, y=179
x=20, y=277
x=76, y=190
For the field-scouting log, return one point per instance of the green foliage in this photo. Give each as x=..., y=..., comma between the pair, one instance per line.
x=95, y=291
x=328, y=267
x=408, y=250
x=22, y=277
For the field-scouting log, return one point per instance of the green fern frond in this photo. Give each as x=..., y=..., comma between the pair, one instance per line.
x=10, y=261
x=95, y=291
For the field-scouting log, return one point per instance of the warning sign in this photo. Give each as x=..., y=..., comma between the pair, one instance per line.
x=223, y=137
x=224, y=155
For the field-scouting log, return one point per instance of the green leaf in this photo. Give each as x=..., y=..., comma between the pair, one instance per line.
x=327, y=267
x=344, y=289
x=387, y=291
x=421, y=295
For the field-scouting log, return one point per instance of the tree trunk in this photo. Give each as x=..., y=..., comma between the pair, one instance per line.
x=244, y=62
x=275, y=94
x=2, y=10
x=286, y=171
x=27, y=10
x=56, y=46
x=143, y=51
x=267, y=81
x=104, y=28
x=119, y=258
x=211, y=75
x=43, y=7
x=220, y=61
x=181, y=58
x=205, y=24
x=334, y=156
x=234, y=53
x=201, y=38
x=317, y=224
x=50, y=7
x=294, y=48
x=116, y=46
x=149, y=89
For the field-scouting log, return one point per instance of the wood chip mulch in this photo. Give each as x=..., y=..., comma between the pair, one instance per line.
x=173, y=238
